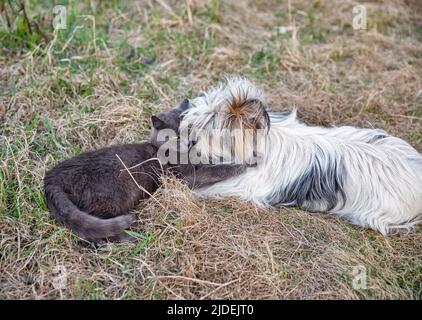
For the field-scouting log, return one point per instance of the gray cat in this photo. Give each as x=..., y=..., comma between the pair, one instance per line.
x=92, y=194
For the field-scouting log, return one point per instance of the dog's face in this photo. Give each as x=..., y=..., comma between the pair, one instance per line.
x=169, y=121
x=228, y=121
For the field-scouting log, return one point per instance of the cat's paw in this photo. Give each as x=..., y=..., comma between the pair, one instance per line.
x=240, y=168
x=252, y=165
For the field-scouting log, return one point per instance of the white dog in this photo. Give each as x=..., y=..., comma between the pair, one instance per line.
x=365, y=175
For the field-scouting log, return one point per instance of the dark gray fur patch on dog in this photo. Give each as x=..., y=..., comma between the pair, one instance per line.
x=318, y=185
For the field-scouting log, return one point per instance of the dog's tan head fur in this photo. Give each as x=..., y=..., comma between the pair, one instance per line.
x=228, y=120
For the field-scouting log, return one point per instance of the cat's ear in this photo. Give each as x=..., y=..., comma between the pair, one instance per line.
x=157, y=123
x=184, y=105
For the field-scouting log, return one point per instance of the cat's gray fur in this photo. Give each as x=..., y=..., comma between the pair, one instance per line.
x=92, y=194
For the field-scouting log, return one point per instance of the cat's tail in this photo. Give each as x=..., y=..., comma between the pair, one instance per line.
x=83, y=224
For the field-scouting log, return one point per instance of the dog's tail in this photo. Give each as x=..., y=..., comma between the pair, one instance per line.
x=83, y=224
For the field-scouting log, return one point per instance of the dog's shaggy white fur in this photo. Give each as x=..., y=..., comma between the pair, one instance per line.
x=365, y=175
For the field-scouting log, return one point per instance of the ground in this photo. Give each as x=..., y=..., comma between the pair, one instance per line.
x=98, y=81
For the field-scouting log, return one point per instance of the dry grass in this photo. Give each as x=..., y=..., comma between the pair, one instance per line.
x=78, y=92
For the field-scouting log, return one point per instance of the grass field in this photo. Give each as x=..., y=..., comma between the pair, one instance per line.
x=98, y=81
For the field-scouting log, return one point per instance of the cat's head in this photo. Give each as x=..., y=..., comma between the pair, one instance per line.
x=167, y=121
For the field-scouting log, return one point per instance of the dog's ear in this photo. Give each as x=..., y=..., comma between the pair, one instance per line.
x=184, y=105
x=264, y=120
x=157, y=123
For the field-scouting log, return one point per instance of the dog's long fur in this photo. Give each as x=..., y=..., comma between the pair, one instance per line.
x=365, y=175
